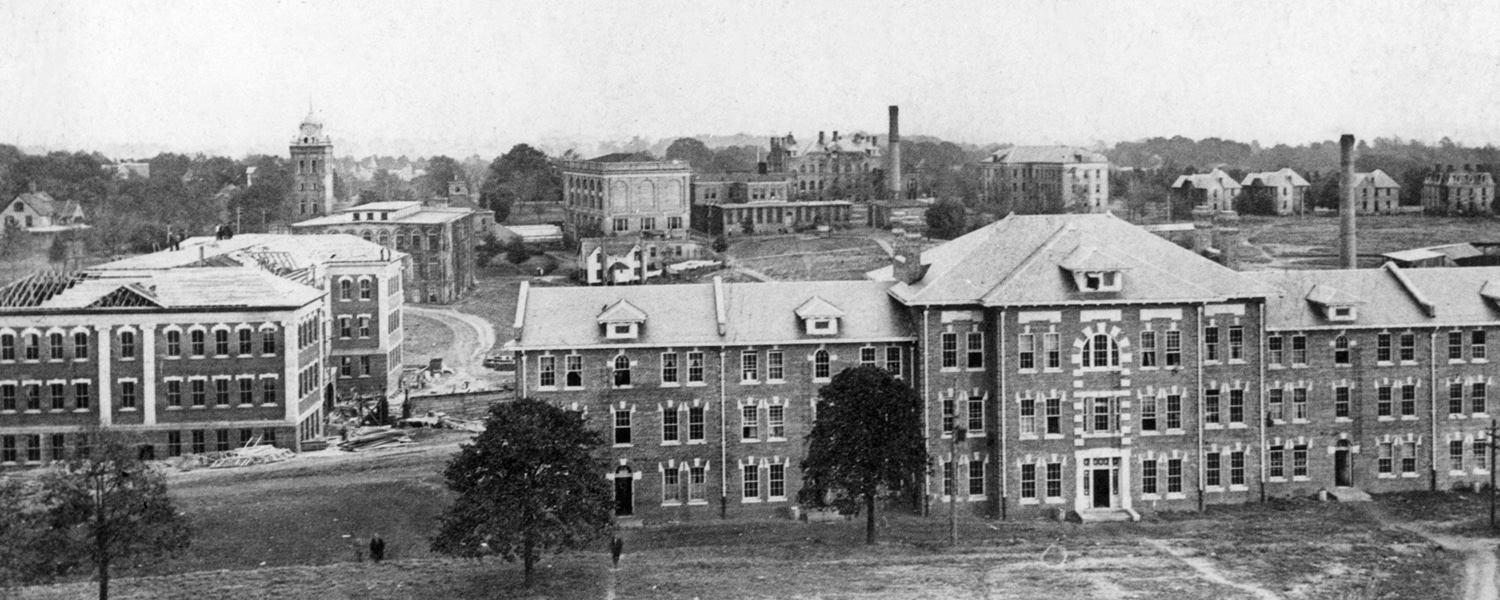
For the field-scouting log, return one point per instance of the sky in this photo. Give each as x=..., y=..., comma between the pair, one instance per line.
x=458, y=77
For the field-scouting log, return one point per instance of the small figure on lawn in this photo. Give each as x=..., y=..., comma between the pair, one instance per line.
x=616, y=548
x=377, y=548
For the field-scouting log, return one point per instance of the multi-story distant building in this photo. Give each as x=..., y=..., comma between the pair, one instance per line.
x=1098, y=369
x=312, y=173
x=734, y=203
x=834, y=167
x=1047, y=179
x=626, y=194
x=438, y=240
x=1282, y=192
x=1214, y=191
x=1376, y=193
x=1453, y=191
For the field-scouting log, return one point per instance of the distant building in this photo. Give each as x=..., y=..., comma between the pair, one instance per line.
x=1214, y=190
x=834, y=167
x=38, y=212
x=312, y=152
x=1452, y=191
x=1282, y=192
x=910, y=215
x=739, y=188
x=620, y=260
x=1047, y=179
x=124, y=169
x=626, y=194
x=1376, y=193
x=440, y=241
x=731, y=203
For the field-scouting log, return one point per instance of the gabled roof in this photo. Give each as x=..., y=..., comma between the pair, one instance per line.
x=1016, y=262
x=622, y=311
x=1090, y=258
x=818, y=308
x=1046, y=154
x=40, y=202
x=1376, y=178
x=1328, y=295
x=1428, y=297
x=1282, y=178
x=1209, y=180
x=239, y=287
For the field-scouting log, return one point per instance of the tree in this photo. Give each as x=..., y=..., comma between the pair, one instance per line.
x=107, y=505
x=23, y=527
x=530, y=482
x=440, y=171
x=524, y=174
x=691, y=151
x=867, y=439
x=946, y=219
x=721, y=244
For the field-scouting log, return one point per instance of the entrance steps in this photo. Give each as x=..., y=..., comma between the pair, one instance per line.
x=1348, y=494
x=1099, y=515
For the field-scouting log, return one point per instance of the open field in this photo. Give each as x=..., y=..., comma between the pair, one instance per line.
x=495, y=301
x=279, y=531
x=1312, y=241
x=808, y=257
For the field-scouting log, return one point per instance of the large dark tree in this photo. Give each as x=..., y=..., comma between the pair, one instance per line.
x=23, y=527
x=107, y=506
x=867, y=440
x=946, y=219
x=440, y=171
x=691, y=151
x=532, y=481
x=524, y=174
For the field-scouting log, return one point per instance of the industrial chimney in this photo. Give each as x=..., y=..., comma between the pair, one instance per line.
x=1347, y=243
x=893, y=173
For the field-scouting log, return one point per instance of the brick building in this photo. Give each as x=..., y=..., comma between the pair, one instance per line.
x=836, y=167
x=1046, y=179
x=1448, y=190
x=1100, y=369
x=437, y=240
x=312, y=152
x=1376, y=193
x=626, y=193
x=1215, y=190
x=1281, y=192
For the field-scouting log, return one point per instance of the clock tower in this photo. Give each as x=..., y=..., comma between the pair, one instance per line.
x=311, y=153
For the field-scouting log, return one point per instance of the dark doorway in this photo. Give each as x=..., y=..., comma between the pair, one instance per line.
x=1343, y=475
x=1101, y=487
x=147, y=452
x=624, y=492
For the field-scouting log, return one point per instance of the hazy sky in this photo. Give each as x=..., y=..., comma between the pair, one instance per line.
x=458, y=76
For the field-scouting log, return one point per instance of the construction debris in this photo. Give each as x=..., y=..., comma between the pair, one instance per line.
x=251, y=455
x=367, y=438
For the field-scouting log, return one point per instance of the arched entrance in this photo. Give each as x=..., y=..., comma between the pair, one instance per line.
x=624, y=492
x=1343, y=471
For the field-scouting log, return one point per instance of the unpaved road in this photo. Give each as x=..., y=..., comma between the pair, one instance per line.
x=472, y=338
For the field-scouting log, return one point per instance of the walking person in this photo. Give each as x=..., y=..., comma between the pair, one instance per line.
x=377, y=548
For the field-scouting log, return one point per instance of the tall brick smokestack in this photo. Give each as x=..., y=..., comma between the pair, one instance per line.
x=1347, y=242
x=893, y=173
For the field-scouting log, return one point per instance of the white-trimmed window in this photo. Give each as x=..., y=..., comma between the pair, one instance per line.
x=821, y=368
x=247, y=391
x=697, y=475
x=749, y=423
x=573, y=371
x=1211, y=344
x=1408, y=347
x=246, y=341
x=346, y=289
x=198, y=340
x=1026, y=346
x=1409, y=457
x=949, y=346
x=893, y=360
x=55, y=348
x=127, y=344
x=546, y=371
x=174, y=393
x=1299, y=460
x=1478, y=400
x=1028, y=416
x=7, y=346
x=1275, y=352
x=776, y=421
x=776, y=481
x=1456, y=455
x=671, y=486
x=669, y=368
x=749, y=366
x=1477, y=350
x=364, y=326
x=1237, y=468
x=366, y=289
x=867, y=356
x=1148, y=408
x=622, y=427
x=1148, y=349
x=1028, y=481
x=1052, y=350
x=1054, y=480
x=1174, y=476
x=751, y=479
x=669, y=425
x=1299, y=404
x=621, y=371
x=1341, y=350
x=975, y=353
x=695, y=424
x=128, y=398
x=976, y=478
x=976, y=413
x=775, y=366
x=1100, y=352
x=695, y=367
x=80, y=345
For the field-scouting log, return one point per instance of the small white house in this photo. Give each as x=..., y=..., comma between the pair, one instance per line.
x=38, y=212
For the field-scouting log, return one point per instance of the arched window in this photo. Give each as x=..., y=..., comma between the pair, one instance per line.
x=198, y=338
x=1341, y=350
x=820, y=365
x=401, y=240
x=622, y=371
x=367, y=236
x=1100, y=351
x=174, y=342
x=385, y=238
x=221, y=342
x=346, y=288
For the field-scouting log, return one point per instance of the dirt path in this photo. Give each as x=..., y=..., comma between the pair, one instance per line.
x=1480, y=564
x=473, y=338
x=1209, y=570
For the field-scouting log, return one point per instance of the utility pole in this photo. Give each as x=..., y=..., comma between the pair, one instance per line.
x=237, y=211
x=959, y=435
x=1491, y=465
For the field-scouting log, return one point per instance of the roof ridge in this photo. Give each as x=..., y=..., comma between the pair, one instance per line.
x=1035, y=255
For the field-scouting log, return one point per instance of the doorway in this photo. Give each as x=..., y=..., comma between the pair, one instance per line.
x=624, y=492
x=1343, y=473
x=1101, y=488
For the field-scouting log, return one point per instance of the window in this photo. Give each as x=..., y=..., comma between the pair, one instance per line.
x=127, y=394
x=622, y=371
x=55, y=346
x=573, y=377
x=346, y=329
x=1148, y=407
x=546, y=371
x=80, y=345
x=675, y=223
x=696, y=477
x=948, y=478
x=1028, y=416
x=33, y=346
x=1148, y=477
x=8, y=449
x=1383, y=347
x=1482, y=454
x=749, y=365
x=1476, y=345
x=695, y=424
x=1174, y=476
x=1455, y=345
x=199, y=392
x=820, y=365
x=1275, y=405
x=1173, y=352
x=7, y=397
x=1100, y=352
x=1027, y=349
x=174, y=343
x=366, y=289
x=752, y=481
x=976, y=413
x=777, y=474
x=34, y=448
x=1274, y=353
x=198, y=340
x=1174, y=411
x=1456, y=455
x=1477, y=394
x=1028, y=481
x=949, y=343
x=1211, y=407
x=1148, y=349
x=1409, y=457
x=749, y=423
x=1299, y=404
x=1237, y=405
x=1052, y=350
x=346, y=289
x=364, y=327
x=671, y=485
x=1299, y=350
x=695, y=367
x=268, y=341
x=1341, y=350
x=1054, y=415
x=174, y=443
x=1299, y=460
x=669, y=368
x=221, y=437
x=58, y=393
x=867, y=356
x=892, y=360
x=268, y=396
x=1408, y=400
x=200, y=441
x=82, y=395
x=1408, y=346
x=976, y=350
x=948, y=415
x=1211, y=467
x=221, y=342
x=776, y=421
x=1275, y=463
x=1236, y=468
x=622, y=224
x=221, y=392
x=622, y=427
x=1210, y=344
x=346, y=367
x=1236, y=343
x=247, y=391
x=1054, y=480
x=774, y=369
x=1455, y=398
x=1383, y=401
x=7, y=346
x=174, y=393
x=127, y=345
x=33, y=396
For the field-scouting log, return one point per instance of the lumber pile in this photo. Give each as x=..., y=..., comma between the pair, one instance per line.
x=250, y=455
x=369, y=438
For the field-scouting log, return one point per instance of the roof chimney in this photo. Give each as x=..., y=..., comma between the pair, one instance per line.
x=835, y=135
x=760, y=168
x=1347, y=242
x=906, y=262
x=893, y=169
x=820, y=137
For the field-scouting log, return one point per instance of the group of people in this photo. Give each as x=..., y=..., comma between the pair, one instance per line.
x=174, y=237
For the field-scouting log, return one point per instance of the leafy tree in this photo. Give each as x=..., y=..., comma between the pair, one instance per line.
x=530, y=482
x=23, y=527
x=721, y=243
x=440, y=171
x=108, y=506
x=691, y=151
x=867, y=439
x=12, y=239
x=524, y=174
x=946, y=219
x=487, y=248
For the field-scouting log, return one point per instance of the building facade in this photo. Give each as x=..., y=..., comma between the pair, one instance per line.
x=1376, y=193
x=438, y=242
x=1449, y=190
x=1100, y=371
x=626, y=194
x=833, y=167
x=1282, y=192
x=1046, y=179
x=616, y=261
x=312, y=174
x=1214, y=191
x=38, y=212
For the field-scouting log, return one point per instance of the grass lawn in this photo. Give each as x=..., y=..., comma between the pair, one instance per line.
x=798, y=257
x=1312, y=241
x=494, y=300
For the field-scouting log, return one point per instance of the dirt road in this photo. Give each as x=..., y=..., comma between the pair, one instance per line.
x=472, y=338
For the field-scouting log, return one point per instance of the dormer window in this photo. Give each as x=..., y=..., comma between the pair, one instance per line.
x=622, y=330
x=819, y=316
x=1337, y=305
x=622, y=321
x=1101, y=281
x=1095, y=271
x=1341, y=313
